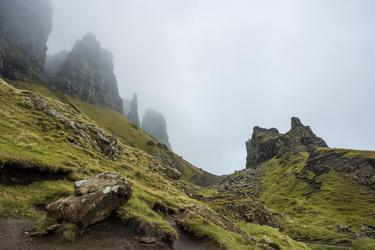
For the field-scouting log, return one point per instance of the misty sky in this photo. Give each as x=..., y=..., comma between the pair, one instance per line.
x=217, y=68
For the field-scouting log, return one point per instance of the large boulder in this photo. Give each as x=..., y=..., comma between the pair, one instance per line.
x=24, y=30
x=87, y=73
x=93, y=200
x=268, y=143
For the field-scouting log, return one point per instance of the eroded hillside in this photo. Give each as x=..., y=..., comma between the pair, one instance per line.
x=46, y=145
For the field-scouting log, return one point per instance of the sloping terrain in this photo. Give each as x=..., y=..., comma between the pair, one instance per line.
x=324, y=197
x=46, y=144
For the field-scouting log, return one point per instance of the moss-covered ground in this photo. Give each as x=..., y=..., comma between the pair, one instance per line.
x=314, y=215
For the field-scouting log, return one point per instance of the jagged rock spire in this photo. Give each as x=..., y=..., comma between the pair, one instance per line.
x=268, y=143
x=133, y=113
x=154, y=123
x=87, y=73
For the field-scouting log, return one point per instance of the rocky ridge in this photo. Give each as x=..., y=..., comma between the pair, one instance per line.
x=268, y=143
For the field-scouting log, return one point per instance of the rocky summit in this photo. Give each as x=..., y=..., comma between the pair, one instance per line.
x=87, y=73
x=268, y=143
x=24, y=29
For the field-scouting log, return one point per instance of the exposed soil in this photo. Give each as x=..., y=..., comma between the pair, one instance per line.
x=25, y=172
x=109, y=234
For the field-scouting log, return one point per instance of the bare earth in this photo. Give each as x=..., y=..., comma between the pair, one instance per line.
x=110, y=234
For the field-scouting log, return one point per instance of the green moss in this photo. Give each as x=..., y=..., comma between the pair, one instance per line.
x=272, y=235
x=364, y=244
x=16, y=201
x=202, y=228
x=314, y=217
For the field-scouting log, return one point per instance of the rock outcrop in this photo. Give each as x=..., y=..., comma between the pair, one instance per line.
x=87, y=73
x=24, y=30
x=154, y=123
x=97, y=138
x=133, y=111
x=94, y=199
x=360, y=169
x=268, y=143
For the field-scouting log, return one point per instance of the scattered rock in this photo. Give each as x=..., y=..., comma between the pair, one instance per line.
x=250, y=211
x=343, y=229
x=93, y=135
x=168, y=171
x=210, y=216
x=94, y=199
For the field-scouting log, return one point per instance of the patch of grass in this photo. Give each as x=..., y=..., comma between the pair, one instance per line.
x=271, y=234
x=16, y=201
x=116, y=123
x=350, y=153
x=120, y=126
x=202, y=228
x=314, y=217
x=68, y=231
x=364, y=244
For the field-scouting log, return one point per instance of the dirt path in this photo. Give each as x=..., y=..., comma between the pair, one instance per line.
x=110, y=234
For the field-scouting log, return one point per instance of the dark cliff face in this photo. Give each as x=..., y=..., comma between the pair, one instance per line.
x=132, y=114
x=268, y=143
x=24, y=30
x=87, y=73
x=154, y=123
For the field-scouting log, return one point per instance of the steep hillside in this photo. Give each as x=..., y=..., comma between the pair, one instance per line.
x=126, y=132
x=46, y=144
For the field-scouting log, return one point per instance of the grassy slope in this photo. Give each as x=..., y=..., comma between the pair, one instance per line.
x=119, y=125
x=314, y=217
x=32, y=135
